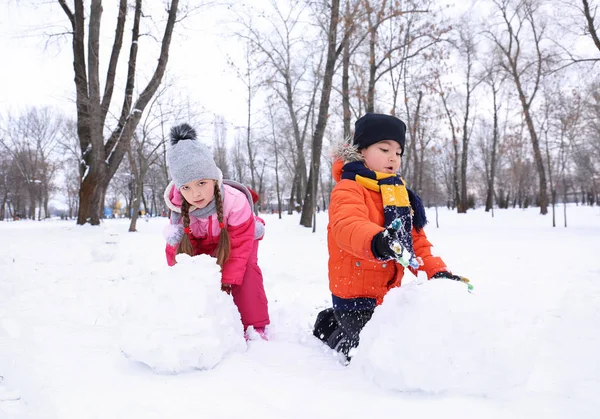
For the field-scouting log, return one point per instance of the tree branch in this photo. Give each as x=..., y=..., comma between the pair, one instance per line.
x=150, y=89
x=114, y=59
x=590, y=23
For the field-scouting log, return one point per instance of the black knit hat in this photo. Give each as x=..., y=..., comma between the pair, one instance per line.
x=374, y=127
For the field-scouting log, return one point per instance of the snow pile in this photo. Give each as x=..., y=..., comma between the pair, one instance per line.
x=179, y=319
x=106, y=247
x=436, y=337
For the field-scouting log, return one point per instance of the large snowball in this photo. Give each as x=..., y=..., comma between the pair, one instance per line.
x=436, y=337
x=179, y=319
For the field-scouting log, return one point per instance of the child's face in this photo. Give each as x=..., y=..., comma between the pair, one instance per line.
x=383, y=156
x=199, y=193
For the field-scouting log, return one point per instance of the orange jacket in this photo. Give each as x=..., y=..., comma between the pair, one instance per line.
x=355, y=217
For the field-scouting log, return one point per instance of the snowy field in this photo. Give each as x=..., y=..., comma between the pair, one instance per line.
x=93, y=324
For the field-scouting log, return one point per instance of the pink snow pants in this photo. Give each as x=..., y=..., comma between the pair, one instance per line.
x=250, y=297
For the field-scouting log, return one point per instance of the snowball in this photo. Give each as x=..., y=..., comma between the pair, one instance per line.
x=179, y=319
x=436, y=337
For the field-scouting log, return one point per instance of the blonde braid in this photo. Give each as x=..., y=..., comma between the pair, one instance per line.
x=224, y=247
x=185, y=245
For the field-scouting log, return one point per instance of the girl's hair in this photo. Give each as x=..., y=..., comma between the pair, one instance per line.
x=224, y=246
x=185, y=245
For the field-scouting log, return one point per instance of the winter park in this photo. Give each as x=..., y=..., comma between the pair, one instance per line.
x=293, y=209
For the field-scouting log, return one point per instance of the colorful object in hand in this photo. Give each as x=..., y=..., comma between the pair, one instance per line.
x=458, y=278
x=405, y=257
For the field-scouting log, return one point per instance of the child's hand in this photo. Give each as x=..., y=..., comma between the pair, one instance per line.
x=458, y=278
x=173, y=233
x=386, y=246
x=226, y=288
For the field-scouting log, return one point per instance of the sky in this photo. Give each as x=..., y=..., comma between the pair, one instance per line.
x=37, y=69
x=106, y=329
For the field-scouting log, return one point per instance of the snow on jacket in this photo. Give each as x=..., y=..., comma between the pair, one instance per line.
x=239, y=222
x=355, y=217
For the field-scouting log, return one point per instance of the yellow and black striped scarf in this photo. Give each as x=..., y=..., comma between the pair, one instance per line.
x=401, y=206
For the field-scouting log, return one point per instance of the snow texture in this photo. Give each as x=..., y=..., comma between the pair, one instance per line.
x=93, y=324
x=436, y=337
x=179, y=320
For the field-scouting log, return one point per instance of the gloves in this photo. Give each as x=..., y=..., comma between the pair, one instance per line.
x=382, y=244
x=173, y=233
x=226, y=288
x=458, y=278
x=259, y=229
x=448, y=275
x=386, y=246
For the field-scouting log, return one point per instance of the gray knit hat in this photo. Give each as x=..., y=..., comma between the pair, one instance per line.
x=188, y=159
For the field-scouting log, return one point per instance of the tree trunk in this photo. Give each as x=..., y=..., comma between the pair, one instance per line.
x=248, y=139
x=413, y=130
x=372, y=70
x=291, y=205
x=277, y=188
x=539, y=162
x=91, y=193
x=3, y=205
x=101, y=160
x=489, y=202
x=135, y=206
x=300, y=161
x=317, y=143
x=464, y=205
x=347, y=115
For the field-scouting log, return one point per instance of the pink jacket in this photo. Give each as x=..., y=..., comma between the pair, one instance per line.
x=239, y=222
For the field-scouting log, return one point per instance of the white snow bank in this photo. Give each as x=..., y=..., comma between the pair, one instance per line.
x=178, y=319
x=436, y=337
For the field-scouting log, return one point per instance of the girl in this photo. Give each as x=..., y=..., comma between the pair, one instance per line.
x=213, y=216
x=375, y=230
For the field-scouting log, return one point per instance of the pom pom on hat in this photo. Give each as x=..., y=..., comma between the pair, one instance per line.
x=188, y=159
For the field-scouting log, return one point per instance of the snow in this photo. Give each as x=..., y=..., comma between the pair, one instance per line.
x=179, y=320
x=418, y=341
x=93, y=324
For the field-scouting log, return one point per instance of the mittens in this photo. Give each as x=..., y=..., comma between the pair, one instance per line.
x=386, y=246
x=382, y=244
x=259, y=229
x=173, y=233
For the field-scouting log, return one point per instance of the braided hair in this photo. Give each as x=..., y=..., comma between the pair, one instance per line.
x=224, y=246
x=185, y=245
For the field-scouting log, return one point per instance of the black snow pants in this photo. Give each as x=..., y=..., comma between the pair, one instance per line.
x=339, y=329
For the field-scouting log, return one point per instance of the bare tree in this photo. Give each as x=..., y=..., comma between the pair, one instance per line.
x=220, y=145
x=396, y=42
x=455, y=189
x=578, y=18
x=525, y=70
x=238, y=159
x=591, y=25
x=282, y=42
x=564, y=121
x=144, y=149
x=467, y=47
x=276, y=149
x=30, y=140
x=101, y=158
x=333, y=52
x=248, y=74
x=494, y=79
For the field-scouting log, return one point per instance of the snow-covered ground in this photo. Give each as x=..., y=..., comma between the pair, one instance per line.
x=94, y=325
